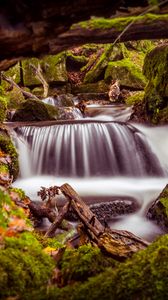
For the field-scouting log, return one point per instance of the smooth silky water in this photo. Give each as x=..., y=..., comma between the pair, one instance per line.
x=99, y=159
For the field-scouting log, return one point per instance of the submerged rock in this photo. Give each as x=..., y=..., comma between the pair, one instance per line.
x=158, y=212
x=105, y=211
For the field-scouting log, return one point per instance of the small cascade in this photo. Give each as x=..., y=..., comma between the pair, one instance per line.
x=89, y=149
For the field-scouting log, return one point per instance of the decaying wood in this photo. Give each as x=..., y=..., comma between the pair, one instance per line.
x=58, y=220
x=39, y=75
x=119, y=244
x=13, y=83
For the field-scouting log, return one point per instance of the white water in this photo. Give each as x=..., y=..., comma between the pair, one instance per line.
x=144, y=189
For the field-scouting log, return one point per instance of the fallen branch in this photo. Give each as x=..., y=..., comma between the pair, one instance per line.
x=13, y=83
x=119, y=244
x=39, y=75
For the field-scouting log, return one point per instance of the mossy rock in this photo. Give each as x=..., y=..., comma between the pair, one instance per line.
x=35, y=110
x=82, y=263
x=7, y=147
x=24, y=266
x=3, y=108
x=54, y=68
x=98, y=87
x=129, y=74
x=156, y=92
x=144, y=276
x=15, y=97
x=38, y=91
x=136, y=97
x=158, y=212
x=14, y=74
x=77, y=60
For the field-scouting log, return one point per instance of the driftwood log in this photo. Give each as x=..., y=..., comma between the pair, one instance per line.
x=119, y=244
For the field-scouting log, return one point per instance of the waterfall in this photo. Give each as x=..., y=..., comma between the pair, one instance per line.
x=83, y=149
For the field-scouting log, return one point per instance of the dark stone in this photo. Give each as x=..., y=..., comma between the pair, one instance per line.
x=158, y=212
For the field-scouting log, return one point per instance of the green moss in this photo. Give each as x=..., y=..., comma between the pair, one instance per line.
x=80, y=59
x=156, y=92
x=164, y=202
x=20, y=192
x=127, y=72
x=117, y=23
x=4, y=214
x=98, y=65
x=86, y=261
x=34, y=110
x=15, y=97
x=3, y=108
x=98, y=87
x=135, y=98
x=144, y=276
x=13, y=73
x=24, y=266
x=54, y=68
x=7, y=146
x=29, y=78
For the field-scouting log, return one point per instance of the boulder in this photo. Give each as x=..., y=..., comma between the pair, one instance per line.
x=128, y=74
x=53, y=69
x=158, y=212
x=34, y=110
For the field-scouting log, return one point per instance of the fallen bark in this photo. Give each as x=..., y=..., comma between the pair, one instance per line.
x=13, y=83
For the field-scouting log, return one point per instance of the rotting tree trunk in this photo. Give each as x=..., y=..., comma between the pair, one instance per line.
x=119, y=244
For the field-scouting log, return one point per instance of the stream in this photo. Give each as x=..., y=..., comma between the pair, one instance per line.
x=102, y=157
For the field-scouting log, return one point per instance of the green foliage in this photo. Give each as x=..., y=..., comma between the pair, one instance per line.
x=24, y=266
x=7, y=146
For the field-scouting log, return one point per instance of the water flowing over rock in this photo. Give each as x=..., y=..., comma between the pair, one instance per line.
x=90, y=149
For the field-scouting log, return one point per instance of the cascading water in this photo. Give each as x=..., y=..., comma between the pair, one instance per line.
x=90, y=149
x=99, y=159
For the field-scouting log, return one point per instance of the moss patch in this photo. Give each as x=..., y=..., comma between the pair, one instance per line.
x=82, y=263
x=156, y=93
x=98, y=87
x=24, y=266
x=127, y=72
x=117, y=23
x=7, y=146
x=3, y=108
x=137, y=97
